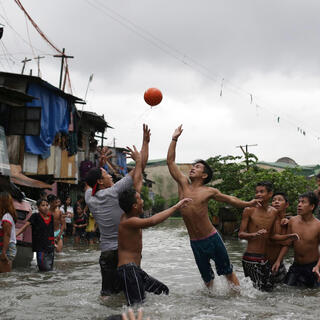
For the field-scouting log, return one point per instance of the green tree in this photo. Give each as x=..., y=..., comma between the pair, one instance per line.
x=232, y=177
x=158, y=203
x=147, y=202
x=171, y=202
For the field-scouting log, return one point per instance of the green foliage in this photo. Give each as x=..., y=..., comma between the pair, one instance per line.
x=233, y=178
x=147, y=202
x=158, y=203
x=171, y=202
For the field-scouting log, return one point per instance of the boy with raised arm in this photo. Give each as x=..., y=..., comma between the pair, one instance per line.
x=102, y=198
x=134, y=280
x=206, y=243
x=305, y=269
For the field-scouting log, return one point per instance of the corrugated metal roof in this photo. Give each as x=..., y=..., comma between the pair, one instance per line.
x=28, y=78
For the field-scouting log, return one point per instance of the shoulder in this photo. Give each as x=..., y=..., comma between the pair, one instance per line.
x=273, y=211
x=7, y=217
x=248, y=211
x=293, y=220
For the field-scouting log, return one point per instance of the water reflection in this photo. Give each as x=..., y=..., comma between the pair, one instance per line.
x=71, y=291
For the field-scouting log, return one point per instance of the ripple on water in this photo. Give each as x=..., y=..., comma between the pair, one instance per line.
x=71, y=291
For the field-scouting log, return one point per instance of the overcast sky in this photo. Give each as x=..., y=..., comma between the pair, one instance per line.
x=269, y=49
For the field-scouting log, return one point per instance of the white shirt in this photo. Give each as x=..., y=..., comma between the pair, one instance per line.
x=8, y=218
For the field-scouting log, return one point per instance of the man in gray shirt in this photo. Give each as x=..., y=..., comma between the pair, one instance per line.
x=102, y=200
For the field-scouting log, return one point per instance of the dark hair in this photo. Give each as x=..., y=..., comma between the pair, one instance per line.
x=312, y=198
x=7, y=206
x=267, y=184
x=51, y=198
x=39, y=201
x=282, y=194
x=206, y=170
x=43, y=194
x=318, y=176
x=92, y=176
x=127, y=199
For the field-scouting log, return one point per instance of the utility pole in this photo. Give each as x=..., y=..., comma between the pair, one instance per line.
x=38, y=63
x=24, y=64
x=245, y=152
x=62, y=56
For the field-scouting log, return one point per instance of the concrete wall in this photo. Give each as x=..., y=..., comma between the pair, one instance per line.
x=164, y=183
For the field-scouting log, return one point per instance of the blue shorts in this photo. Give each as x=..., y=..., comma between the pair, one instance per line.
x=213, y=248
x=45, y=260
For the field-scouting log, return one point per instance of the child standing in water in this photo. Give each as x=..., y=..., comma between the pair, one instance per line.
x=80, y=224
x=42, y=235
x=91, y=229
x=8, y=217
x=136, y=281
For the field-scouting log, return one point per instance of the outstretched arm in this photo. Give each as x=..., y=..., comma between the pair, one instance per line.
x=234, y=201
x=144, y=149
x=171, y=157
x=138, y=223
x=24, y=227
x=145, y=146
x=137, y=172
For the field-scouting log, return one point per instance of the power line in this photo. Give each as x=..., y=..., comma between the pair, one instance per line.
x=190, y=62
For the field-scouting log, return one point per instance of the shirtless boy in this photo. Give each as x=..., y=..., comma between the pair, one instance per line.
x=206, y=243
x=255, y=227
x=279, y=202
x=134, y=280
x=305, y=269
x=59, y=221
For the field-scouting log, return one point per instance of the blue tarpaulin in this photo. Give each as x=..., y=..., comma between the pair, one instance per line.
x=122, y=163
x=54, y=118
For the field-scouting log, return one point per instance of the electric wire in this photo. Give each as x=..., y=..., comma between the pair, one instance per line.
x=192, y=63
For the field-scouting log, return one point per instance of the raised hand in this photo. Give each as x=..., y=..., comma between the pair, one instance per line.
x=177, y=133
x=146, y=133
x=134, y=154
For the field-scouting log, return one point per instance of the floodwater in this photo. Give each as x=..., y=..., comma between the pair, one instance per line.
x=71, y=291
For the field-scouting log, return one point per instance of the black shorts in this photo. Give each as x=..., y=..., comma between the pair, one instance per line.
x=135, y=282
x=258, y=268
x=301, y=275
x=279, y=277
x=69, y=229
x=80, y=232
x=110, y=280
x=90, y=235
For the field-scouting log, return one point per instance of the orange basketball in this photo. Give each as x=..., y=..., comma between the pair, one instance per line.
x=153, y=96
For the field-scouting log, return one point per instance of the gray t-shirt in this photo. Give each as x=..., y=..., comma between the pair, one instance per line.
x=105, y=208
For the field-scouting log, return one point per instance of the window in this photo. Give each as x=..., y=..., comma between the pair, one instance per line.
x=24, y=121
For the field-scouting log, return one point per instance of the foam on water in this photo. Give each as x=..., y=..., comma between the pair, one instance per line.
x=71, y=291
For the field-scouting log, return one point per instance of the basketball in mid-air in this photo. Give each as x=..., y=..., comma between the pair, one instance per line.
x=153, y=96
